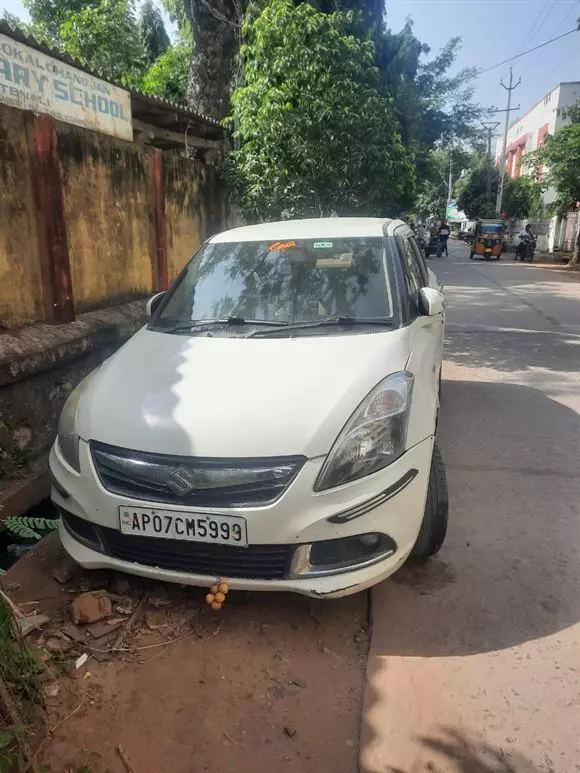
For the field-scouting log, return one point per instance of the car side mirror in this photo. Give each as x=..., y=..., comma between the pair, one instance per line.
x=432, y=301
x=153, y=303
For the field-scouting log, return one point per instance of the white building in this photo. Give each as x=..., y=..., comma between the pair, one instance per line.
x=529, y=131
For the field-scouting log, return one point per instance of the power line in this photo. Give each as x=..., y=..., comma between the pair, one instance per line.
x=533, y=27
x=544, y=20
x=566, y=15
x=529, y=51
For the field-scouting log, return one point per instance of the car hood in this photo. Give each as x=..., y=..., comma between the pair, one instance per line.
x=235, y=397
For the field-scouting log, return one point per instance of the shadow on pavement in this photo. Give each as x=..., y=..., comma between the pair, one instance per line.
x=507, y=575
x=510, y=568
x=458, y=754
x=513, y=350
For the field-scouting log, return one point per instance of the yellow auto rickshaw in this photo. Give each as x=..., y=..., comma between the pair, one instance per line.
x=488, y=239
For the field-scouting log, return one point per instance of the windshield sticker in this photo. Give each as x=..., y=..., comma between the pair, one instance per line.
x=322, y=245
x=341, y=261
x=280, y=246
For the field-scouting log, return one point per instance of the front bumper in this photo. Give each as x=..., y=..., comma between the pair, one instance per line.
x=299, y=517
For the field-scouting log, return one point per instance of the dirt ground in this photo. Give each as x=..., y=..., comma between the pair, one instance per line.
x=271, y=682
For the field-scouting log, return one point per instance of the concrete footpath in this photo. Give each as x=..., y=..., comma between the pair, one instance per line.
x=475, y=658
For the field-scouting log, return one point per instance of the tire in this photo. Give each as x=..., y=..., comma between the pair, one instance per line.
x=434, y=525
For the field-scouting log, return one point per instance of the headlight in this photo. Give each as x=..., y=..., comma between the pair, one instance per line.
x=373, y=437
x=68, y=439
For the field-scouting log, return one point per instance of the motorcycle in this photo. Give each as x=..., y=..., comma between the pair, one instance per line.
x=432, y=247
x=525, y=249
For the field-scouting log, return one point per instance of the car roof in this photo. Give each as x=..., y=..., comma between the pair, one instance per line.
x=315, y=228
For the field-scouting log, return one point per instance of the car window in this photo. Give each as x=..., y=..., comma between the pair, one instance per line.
x=414, y=277
x=421, y=260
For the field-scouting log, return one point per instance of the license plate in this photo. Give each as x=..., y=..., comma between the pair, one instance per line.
x=169, y=524
x=488, y=249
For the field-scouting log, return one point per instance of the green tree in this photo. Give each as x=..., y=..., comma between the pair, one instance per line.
x=105, y=37
x=312, y=132
x=560, y=157
x=473, y=198
x=521, y=197
x=49, y=15
x=167, y=77
x=433, y=186
x=153, y=32
x=216, y=27
x=431, y=199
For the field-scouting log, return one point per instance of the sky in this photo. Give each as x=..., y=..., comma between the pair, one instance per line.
x=491, y=31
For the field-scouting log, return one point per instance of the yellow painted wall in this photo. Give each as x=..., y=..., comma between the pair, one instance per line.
x=21, y=293
x=193, y=209
x=106, y=190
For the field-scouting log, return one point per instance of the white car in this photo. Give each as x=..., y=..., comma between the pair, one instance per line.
x=273, y=425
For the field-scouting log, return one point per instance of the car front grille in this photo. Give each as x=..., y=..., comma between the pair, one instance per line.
x=256, y=562
x=188, y=481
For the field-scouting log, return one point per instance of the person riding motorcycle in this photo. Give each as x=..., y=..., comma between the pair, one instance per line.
x=526, y=244
x=444, y=234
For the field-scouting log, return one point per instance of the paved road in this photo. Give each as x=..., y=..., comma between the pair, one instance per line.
x=475, y=658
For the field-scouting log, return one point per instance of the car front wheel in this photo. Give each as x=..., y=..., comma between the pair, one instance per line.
x=434, y=525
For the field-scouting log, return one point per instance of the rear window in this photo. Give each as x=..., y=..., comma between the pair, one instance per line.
x=292, y=281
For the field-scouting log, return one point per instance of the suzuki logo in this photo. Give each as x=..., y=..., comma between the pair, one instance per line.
x=181, y=481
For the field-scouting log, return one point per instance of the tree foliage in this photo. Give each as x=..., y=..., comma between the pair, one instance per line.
x=521, y=197
x=105, y=37
x=472, y=198
x=433, y=180
x=312, y=132
x=49, y=15
x=167, y=77
x=101, y=34
x=153, y=32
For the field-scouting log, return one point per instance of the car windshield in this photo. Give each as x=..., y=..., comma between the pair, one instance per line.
x=491, y=228
x=282, y=282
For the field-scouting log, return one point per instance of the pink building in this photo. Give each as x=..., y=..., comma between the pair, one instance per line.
x=529, y=131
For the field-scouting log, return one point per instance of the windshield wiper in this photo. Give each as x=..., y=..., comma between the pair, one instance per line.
x=329, y=322
x=193, y=324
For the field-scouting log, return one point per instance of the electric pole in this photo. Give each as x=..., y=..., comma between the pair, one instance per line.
x=507, y=112
x=490, y=127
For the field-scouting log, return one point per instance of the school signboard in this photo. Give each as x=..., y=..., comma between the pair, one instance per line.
x=32, y=80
